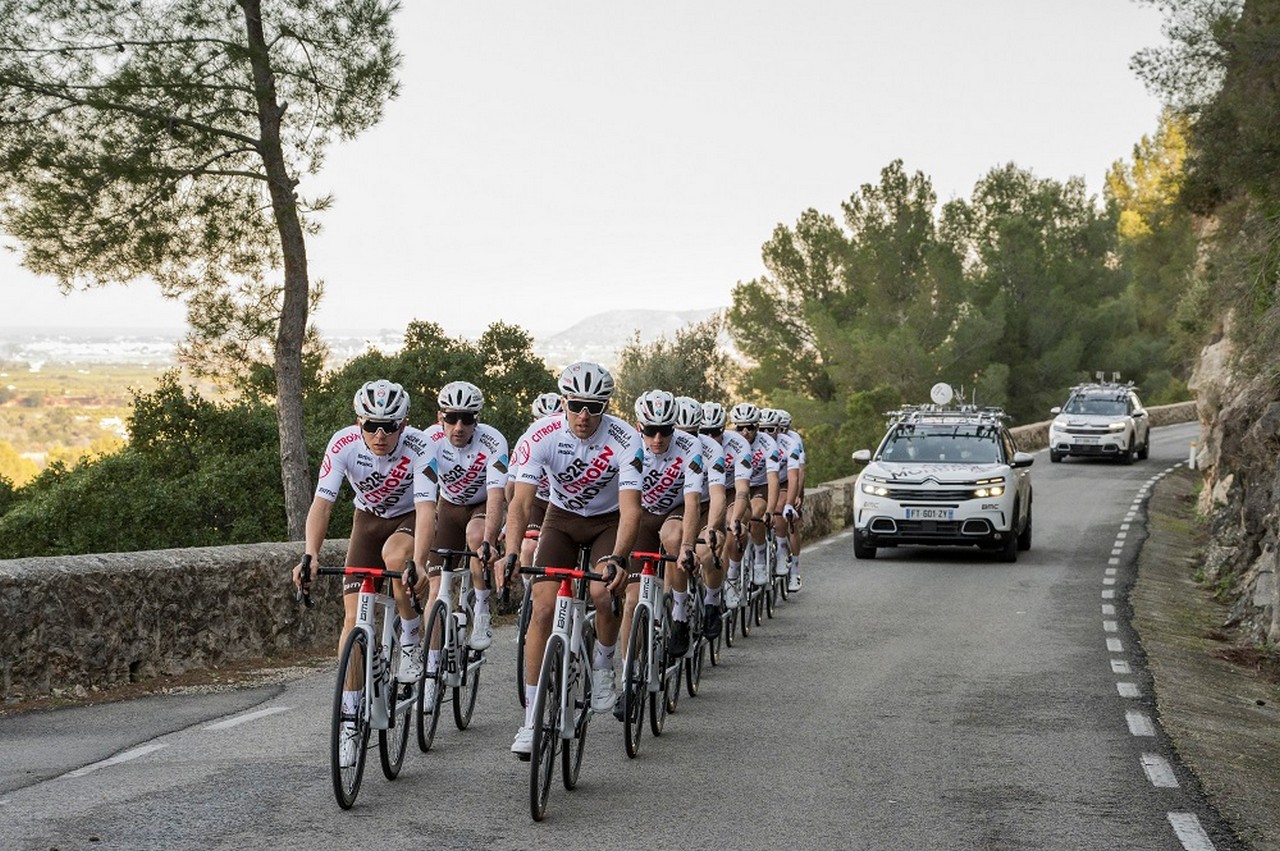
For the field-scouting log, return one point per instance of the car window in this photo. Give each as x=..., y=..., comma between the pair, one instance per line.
x=1096, y=405
x=960, y=446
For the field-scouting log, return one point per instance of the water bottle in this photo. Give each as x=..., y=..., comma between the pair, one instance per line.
x=460, y=618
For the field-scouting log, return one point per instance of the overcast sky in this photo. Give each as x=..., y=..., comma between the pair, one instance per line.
x=550, y=160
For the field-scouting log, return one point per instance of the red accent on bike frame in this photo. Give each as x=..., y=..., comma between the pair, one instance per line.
x=649, y=559
x=566, y=588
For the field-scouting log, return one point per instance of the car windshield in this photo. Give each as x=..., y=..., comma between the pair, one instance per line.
x=1104, y=405
x=952, y=444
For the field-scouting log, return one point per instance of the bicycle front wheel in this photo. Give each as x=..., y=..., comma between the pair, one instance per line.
x=431, y=686
x=635, y=681
x=546, y=726
x=579, y=703
x=346, y=777
x=464, y=696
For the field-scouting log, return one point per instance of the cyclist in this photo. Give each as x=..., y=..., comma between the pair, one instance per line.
x=593, y=462
x=761, y=463
x=792, y=445
x=770, y=421
x=394, y=478
x=711, y=511
x=736, y=478
x=671, y=495
x=546, y=405
x=472, y=461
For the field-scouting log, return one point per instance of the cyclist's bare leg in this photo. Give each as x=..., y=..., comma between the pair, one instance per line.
x=397, y=550
x=712, y=577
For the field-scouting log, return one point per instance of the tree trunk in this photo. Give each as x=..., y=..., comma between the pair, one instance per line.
x=295, y=477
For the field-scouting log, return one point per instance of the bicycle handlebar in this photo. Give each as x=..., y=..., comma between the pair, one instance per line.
x=408, y=576
x=564, y=573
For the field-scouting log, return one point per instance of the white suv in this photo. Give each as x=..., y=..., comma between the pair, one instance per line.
x=1101, y=420
x=944, y=476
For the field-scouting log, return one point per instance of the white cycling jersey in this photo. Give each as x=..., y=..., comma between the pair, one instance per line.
x=585, y=475
x=385, y=485
x=468, y=473
x=735, y=446
x=671, y=475
x=791, y=447
x=759, y=461
x=544, y=483
x=713, y=464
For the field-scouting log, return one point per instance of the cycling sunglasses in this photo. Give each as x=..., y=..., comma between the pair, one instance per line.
x=746, y=427
x=384, y=426
x=577, y=406
x=654, y=431
x=455, y=417
x=711, y=432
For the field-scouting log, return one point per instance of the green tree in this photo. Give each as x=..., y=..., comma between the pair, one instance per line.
x=168, y=140
x=694, y=364
x=13, y=467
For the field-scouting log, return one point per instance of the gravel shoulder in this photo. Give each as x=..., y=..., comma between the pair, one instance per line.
x=1218, y=699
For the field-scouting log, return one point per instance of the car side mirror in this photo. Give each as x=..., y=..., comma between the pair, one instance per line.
x=1141, y=412
x=862, y=456
x=1056, y=409
x=1023, y=459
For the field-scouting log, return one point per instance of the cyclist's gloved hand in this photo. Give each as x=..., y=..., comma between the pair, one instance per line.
x=485, y=553
x=688, y=560
x=789, y=512
x=616, y=572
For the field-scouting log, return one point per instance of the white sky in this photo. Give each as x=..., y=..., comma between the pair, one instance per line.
x=547, y=161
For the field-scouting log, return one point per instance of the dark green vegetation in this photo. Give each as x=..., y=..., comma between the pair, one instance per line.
x=199, y=472
x=169, y=141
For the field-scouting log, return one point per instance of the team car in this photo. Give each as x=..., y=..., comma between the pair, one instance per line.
x=944, y=475
x=1101, y=419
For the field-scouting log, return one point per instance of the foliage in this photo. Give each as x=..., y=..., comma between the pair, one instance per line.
x=197, y=473
x=501, y=363
x=15, y=469
x=167, y=140
x=694, y=364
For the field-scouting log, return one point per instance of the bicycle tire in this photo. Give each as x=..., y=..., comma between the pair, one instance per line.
x=546, y=727
x=693, y=668
x=522, y=626
x=672, y=672
x=346, y=781
x=428, y=712
x=770, y=592
x=744, y=611
x=464, y=695
x=393, y=740
x=580, y=701
x=729, y=618
x=713, y=641
x=635, y=683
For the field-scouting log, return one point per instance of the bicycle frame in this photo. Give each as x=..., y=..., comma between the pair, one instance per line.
x=650, y=591
x=455, y=674
x=382, y=704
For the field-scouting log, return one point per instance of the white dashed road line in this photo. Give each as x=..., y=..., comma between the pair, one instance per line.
x=1158, y=771
x=125, y=756
x=1189, y=832
x=248, y=716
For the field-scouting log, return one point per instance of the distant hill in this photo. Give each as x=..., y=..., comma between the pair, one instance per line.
x=601, y=337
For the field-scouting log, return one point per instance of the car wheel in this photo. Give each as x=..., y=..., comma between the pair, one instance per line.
x=1009, y=550
x=1126, y=457
x=1055, y=457
x=861, y=549
x=1024, y=537
x=1145, y=451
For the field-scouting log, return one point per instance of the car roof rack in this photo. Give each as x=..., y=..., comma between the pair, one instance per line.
x=913, y=415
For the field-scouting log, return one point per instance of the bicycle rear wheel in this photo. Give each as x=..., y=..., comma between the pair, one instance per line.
x=428, y=709
x=770, y=594
x=393, y=740
x=635, y=682
x=346, y=779
x=464, y=696
x=522, y=625
x=579, y=703
x=546, y=726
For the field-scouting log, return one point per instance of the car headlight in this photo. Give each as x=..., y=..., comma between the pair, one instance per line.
x=989, y=487
x=875, y=485
x=1120, y=426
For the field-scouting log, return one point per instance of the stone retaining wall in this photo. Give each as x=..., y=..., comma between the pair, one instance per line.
x=72, y=623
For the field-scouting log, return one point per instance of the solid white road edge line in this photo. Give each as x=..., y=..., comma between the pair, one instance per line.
x=126, y=756
x=248, y=716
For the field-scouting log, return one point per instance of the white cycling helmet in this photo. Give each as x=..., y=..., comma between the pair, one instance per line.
x=382, y=400
x=586, y=380
x=770, y=418
x=461, y=396
x=656, y=408
x=712, y=415
x=688, y=413
x=547, y=404
x=745, y=413
x=784, y=419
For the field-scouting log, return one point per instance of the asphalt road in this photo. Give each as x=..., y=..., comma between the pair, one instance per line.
x=929, y=699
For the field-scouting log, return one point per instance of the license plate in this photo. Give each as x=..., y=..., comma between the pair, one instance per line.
x=1088, y=441
x=930, y=513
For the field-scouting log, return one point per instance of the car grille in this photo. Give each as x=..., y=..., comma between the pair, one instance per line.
x=929, y=495
x=929, y=528
x=1087, y=431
